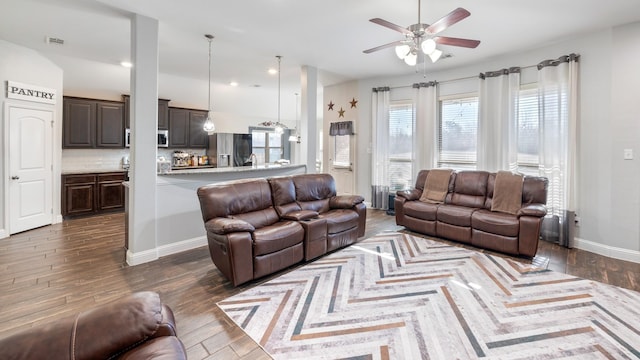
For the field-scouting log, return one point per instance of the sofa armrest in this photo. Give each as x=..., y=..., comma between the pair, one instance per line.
x=223, y=226
x=537, y=210
x=345, y=201
x=300, y=215
x=410, y=195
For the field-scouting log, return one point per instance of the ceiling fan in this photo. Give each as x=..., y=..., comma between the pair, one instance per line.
x=423, y=37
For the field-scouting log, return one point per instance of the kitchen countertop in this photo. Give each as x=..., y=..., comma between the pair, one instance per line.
x=92, y=171
x=207, y=170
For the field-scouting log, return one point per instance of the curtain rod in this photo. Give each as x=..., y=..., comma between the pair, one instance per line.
x=453, y=80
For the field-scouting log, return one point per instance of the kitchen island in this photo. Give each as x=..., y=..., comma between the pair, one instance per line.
x=178, y=217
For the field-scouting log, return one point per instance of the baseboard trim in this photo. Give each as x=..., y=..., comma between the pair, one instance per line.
x=181, y=246
x=606, y=250
x=142, y=257
x=164, y=250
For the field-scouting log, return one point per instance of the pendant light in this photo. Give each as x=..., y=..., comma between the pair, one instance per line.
x=209, y=126
x=278, y=126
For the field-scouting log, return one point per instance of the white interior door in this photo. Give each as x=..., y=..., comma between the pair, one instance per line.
x=30, y=168
x=341, y=165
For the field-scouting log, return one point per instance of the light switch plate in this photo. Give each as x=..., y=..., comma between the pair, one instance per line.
x=628, y=154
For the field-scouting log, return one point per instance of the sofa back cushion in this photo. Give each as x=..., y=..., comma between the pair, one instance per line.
x=248, y=200
x=283, y=192
x=534, y=190
x=470, y=189
x=313, y=191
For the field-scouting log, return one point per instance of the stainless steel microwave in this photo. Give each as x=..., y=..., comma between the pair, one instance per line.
x=163, y=138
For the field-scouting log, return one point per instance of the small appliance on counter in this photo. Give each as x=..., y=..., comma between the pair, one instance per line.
x=180, y=159
x=164, y=165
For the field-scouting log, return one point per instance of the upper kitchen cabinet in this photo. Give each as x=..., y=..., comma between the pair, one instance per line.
x=198, y=138
x=163, y=113
x=186, y=128
x=109, y=124
x=79, y=123
x=89, y=123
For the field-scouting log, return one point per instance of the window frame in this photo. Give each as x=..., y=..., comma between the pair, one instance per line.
x=457, y=164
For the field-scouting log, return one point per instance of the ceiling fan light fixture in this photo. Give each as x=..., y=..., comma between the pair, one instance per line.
x=428, y=46
x=402, y=51
x=411, y=59
x=435, y=55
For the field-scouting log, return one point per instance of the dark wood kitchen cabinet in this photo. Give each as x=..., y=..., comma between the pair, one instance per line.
x=89, y=194
x=89, y=123
x=163, y=113
x=186, y=128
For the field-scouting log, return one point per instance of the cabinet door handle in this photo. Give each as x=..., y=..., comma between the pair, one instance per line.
x=15, y=177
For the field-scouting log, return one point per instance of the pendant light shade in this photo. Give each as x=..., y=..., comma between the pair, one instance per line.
x=209, y=126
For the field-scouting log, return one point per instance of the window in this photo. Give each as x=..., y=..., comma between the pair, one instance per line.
x=267, y=145
x=400, y=145
x=342, y=151
x=528, y=136
x=458, y=133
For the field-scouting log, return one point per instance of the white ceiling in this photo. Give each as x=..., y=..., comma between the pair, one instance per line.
x=329, y=34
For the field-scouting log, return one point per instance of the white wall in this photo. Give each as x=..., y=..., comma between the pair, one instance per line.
x=608, y=188
x=27, y=66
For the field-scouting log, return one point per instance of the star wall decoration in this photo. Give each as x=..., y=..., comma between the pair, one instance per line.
x=353, y=102
x=341, y=113
x=330, y=105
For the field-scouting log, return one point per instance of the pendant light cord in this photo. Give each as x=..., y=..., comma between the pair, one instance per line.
x=209, y=99
x=279, y=60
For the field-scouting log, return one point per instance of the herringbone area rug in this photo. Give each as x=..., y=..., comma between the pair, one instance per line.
x=398, y=296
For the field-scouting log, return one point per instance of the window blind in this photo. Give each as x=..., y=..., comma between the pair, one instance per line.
x=458, y=133
x=401, y=127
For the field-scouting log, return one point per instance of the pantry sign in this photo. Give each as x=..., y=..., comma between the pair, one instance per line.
x=20, y=91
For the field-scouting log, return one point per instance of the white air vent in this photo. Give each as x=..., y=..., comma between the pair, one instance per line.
x=52, y=40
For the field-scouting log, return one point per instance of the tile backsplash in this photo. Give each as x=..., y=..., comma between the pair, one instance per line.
x=106, y=159
x=92, y=159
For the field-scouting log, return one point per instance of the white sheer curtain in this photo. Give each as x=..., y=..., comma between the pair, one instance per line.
x=558, y=112
x=425, y=139
x=498, y=120
x=379, y=147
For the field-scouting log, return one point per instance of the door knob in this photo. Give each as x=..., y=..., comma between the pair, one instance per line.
x=15, y=177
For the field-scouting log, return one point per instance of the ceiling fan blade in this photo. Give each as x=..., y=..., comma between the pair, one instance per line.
x=445, y=40
x=391, y=44
x=391, y=26
x=447, y=20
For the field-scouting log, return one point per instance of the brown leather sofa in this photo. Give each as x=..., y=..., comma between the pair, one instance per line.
x=466, y=215
x=259, y=226
x=137, y=326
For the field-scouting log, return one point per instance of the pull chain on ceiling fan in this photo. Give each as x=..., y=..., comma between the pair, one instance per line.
x=422, y=37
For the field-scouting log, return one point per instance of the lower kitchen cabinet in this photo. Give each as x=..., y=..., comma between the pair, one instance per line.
x=88, y=194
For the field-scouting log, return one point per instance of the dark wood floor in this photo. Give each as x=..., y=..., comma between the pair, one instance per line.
x=59, y=270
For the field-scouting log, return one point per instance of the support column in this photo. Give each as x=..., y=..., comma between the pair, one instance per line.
x=309, y=120
x=143, y=153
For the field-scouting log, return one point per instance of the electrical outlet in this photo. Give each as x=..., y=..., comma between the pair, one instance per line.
x=628, y=154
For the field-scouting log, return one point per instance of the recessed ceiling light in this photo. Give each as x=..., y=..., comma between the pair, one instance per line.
x=233, y=83
x=126, y=64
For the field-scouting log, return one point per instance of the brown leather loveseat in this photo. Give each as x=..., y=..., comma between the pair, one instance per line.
x=256, y=227
x=137, y=326
x=466, y=215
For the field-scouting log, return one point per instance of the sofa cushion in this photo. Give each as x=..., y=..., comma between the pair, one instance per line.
x=313, y=191
x=283, y=193
x=276, y=237
x=455, y=215
x=339, y=220
x=420, y=210
x=237, y=197
x=495, y=222
x=470, y=189
x=259, y=218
